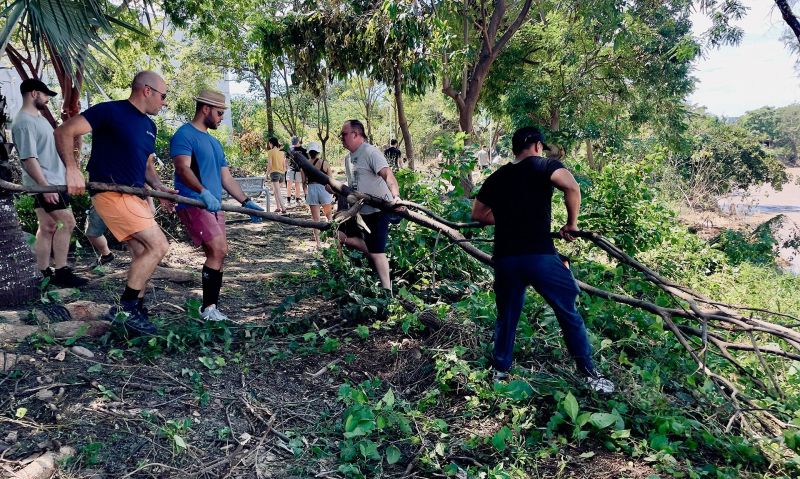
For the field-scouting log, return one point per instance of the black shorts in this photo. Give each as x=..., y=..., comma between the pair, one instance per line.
x=63, y=202
x=378, y=224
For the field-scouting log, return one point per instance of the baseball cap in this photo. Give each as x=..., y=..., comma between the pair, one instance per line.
x=525, y=137
x=32, y=84
x=295, y=141
x=314, y=146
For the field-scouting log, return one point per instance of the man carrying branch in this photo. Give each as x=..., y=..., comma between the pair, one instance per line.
x=201, y=173
x=369, y=173
x=524, y=253
x=123, y=149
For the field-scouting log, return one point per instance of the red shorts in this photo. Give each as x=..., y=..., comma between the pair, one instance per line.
x=202, y=225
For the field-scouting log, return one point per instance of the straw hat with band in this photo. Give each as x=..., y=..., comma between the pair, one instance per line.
x=211, y=98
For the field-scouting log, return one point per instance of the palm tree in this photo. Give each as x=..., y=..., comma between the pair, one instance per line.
x=68, y=34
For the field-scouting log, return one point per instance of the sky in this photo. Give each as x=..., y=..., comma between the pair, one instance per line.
x=758, y=72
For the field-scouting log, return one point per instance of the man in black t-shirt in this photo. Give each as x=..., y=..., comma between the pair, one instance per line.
x=524, y=253
x=392, y=154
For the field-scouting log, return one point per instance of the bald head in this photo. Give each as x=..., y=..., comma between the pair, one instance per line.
x=145, y=77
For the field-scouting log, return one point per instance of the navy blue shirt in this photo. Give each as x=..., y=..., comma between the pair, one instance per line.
x=208, y=159
x=521, y=196
x=122, y=139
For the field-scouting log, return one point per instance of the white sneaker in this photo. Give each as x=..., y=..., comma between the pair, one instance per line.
x=211, y=313
x=498, y=376
x=600, y=384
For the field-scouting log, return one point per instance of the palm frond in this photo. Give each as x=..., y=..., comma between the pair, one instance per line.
x=73, y=31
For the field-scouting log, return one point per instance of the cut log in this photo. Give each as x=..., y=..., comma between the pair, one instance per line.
x=44, y=466
x=85, y=317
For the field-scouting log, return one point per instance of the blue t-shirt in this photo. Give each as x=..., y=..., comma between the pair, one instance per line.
x=208, y=159
x=122, y=139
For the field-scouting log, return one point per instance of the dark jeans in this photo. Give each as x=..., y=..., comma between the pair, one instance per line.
x=550, y=278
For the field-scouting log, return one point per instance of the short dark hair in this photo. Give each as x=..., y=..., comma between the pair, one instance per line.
x=525, y=137
x=358, y=127
x=273, y=141
x=393, y=142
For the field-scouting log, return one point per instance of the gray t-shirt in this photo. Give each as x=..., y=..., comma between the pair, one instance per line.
x=33, y=136
x=365, y=163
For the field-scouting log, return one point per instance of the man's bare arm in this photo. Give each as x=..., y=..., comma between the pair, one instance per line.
x=564, y=181
x=65, y=135
x=482, y=213
x=231, y=185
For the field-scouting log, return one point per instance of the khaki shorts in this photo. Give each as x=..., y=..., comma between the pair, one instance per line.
x=124, y=215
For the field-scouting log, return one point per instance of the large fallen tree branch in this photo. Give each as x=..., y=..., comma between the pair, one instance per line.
x=712, y=324
x=98, y=187
x=716, y=324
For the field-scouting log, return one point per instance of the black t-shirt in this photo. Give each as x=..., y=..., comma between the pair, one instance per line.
x=520, y=196
x=393, y=155
x=293, y=165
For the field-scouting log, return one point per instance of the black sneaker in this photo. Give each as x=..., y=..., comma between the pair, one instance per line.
x=133, y=320
x=65, y=278
x=105, y=259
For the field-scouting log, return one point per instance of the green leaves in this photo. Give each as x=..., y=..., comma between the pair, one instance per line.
x=602, y=420
x=500, y=437
x=570, y=406
x=393, y=454
x=517, y=390
x=359, y=421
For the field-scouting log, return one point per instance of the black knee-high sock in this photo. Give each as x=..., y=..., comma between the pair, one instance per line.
x=212, y=283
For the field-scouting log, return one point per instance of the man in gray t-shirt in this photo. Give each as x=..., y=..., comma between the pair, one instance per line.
x=41, y=166
x=369, y=172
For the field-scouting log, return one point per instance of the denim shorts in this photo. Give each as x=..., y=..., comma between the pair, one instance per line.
x=317, y=195
x=95, y=226
x=277, y=176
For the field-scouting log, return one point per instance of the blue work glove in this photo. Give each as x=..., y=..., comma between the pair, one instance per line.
x=212, y=203
x=248, y=203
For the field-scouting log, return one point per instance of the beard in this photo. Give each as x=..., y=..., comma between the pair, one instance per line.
x=40, y=104
x=210, y=123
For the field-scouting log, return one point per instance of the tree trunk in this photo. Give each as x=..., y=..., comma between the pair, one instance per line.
x=590, y=155
x=402, y=121
x=19, y=280
x=267, y=84
x=789, y=17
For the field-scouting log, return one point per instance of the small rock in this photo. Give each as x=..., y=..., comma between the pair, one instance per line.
x=44, y=394
x=81, y=351
x=61, y=355
x=11, y=438
x=245, y=438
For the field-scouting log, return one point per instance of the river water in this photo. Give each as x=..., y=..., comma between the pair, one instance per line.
x=764, y=202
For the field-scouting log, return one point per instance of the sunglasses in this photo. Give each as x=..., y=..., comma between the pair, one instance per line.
x=163, y=95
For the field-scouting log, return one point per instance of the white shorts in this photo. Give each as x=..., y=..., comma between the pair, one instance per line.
x=292, y=175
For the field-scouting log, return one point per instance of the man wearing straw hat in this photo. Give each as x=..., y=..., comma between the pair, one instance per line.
x=123, y=149
x=201, y=172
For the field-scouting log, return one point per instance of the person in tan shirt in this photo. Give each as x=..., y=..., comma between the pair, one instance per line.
x=276, y=169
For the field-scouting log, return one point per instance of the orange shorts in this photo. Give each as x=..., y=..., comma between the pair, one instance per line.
x=124, y=214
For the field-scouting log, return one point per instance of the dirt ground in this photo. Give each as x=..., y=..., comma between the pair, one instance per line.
x=263, y=408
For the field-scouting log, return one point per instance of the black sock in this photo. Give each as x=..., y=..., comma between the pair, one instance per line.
x=140, y=302
x=46, y=272
x=130, y=294
x=212, y=283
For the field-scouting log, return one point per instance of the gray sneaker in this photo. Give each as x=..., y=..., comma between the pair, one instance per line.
x=600, y=384
x=211, y=313
x=499, y=376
